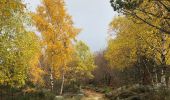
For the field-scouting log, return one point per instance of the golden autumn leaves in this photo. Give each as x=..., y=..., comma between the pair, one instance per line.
x=57, y=31
x=58, y=35
x=26, y=57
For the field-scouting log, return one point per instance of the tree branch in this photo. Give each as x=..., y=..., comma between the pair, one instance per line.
x=160, y=1
x=150, y=24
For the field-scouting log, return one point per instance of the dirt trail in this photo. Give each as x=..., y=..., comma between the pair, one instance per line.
x=92, y=95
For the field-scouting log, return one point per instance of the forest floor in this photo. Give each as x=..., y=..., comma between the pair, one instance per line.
x=92, y=95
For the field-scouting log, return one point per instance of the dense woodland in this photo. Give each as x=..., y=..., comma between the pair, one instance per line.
x=134, y=66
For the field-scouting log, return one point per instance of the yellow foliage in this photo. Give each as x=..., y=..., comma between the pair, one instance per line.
x=57, y=31
x=36, y=71
x=130, y=37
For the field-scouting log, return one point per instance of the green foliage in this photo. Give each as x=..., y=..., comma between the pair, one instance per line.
x=137, y=45
x=85, y=59
x=30, y=94
x=16, y=55
x=17, y=49
x=83, y=62
x=8, y=9
x=122, y=51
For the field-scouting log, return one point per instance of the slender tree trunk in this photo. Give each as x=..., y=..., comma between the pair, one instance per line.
x=139, y=67
x=51, y=80
x=140, y=79
x=51, y=74
x=163, y=56
x=109, y=80
x=155, y=68
x=62, y=84
x=156, y=75
x=63, y=73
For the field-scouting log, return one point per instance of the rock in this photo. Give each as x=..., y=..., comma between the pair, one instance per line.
x=109, y=94
x=78, y=96
x=59, y=98
x=126, y=94
x=134, y=92
x=135, y=97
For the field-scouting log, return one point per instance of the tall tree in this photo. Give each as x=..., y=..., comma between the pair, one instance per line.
x=154, y=13
x=82, y=64
x=135, y=43
x=18, y=47
x=57, y=31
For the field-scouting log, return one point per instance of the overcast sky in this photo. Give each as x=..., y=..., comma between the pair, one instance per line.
x=92, y=16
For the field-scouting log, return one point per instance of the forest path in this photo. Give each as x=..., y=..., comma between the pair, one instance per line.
x=92, y=95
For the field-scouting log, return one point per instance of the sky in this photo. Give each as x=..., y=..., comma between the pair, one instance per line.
x=92, y=16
